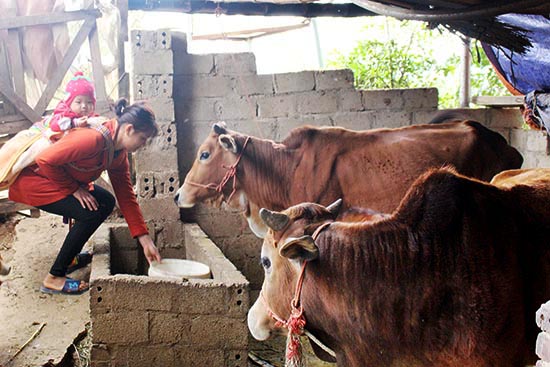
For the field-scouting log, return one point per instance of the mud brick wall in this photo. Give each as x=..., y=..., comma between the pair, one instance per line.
x=146, y=321
x=189, y=92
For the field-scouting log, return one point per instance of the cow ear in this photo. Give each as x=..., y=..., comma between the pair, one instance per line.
x=228, y=143
x=219, y=128
x=334, y=208
x=274, y=220
x=302, y=248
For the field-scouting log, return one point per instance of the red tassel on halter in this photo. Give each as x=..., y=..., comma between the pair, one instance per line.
x=295, y=325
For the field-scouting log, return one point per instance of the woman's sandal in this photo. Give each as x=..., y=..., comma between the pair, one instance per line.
x=71, y=287
x=80, y=261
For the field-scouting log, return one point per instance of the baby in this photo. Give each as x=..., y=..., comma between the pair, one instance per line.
x=77, y=109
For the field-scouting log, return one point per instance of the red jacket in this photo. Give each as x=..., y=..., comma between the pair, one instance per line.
x=53, y=177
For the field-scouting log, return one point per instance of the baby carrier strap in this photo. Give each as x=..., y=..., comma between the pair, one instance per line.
x=109, y=148
x=109, y=143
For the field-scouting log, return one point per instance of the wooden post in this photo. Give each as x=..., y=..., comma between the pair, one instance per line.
x=465, y=63
x=102, y=104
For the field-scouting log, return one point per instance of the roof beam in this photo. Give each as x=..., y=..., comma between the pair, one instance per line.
x=308, y=10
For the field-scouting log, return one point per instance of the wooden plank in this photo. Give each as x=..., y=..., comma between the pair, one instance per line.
x=14, y=127
x=8, y=206
x=49, y=18
x=18, y=102
x=61, y=70
x=122, y=6
x=11, y=118
x=123, y=78
x=503, y=101
x=5, y=75
x=97, y=69
x=16, y=63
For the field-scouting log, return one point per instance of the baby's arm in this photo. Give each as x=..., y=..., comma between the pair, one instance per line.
x=64, y=123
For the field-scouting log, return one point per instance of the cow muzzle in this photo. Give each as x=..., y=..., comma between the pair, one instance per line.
x=258, y=321
x=182, y=198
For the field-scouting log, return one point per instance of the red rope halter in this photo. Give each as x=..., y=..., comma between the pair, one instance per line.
x=296, y=321
x=231, y=173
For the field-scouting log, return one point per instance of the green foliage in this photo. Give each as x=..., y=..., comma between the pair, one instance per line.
x=379, y=65
x=403, y=55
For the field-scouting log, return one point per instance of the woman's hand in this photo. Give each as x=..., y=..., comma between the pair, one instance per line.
x=149, y=249
x=86, y=199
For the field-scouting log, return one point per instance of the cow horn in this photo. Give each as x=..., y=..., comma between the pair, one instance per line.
x=334, y=208
x=219, y=128
x=274, y=220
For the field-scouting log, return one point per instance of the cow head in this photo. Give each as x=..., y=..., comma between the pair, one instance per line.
x=287, y=245
x=220, y=150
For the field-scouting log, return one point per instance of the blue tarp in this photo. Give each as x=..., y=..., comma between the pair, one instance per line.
x=530, y=71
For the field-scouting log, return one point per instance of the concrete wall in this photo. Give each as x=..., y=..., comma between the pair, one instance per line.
x=148, y=321
x=190, y=92
x=156, y=164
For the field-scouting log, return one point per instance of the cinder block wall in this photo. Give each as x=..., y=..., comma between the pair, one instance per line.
x=146, y=321
x=156, y=164
x=214, y=87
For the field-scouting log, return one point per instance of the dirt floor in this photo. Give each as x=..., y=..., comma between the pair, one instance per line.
x=29, y=245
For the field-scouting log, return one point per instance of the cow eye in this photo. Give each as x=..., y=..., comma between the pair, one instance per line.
x=204, y=156
x=266, y=263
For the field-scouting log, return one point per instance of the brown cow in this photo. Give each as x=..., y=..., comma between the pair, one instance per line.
x=444, y=281
x=366, y=169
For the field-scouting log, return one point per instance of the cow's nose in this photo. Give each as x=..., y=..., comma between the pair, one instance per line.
x=176, y=198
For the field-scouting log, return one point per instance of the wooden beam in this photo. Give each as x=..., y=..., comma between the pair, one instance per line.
x=7, y=207
x=58, y=75
x=308, y=10
x=13, y=127
x=250, y=33
x=49, y=18
x=11, y=118
x=97, y=67
x=18, y=102
x=7, y=107
x=502, y=101
x=16, y=63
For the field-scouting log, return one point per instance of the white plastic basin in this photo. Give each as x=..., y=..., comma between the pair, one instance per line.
x=179, y=269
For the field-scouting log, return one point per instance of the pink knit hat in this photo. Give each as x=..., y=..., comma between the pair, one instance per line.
x=79, y=85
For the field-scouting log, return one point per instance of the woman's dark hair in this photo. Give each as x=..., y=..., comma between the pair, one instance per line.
x=139, y=115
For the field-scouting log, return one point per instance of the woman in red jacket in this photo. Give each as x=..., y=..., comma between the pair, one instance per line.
x=61, y=183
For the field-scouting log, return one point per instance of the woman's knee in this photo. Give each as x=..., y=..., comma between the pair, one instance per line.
x=106, y=205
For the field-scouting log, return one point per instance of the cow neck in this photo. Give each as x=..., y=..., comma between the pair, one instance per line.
x=296, y=322
x=268, y=170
